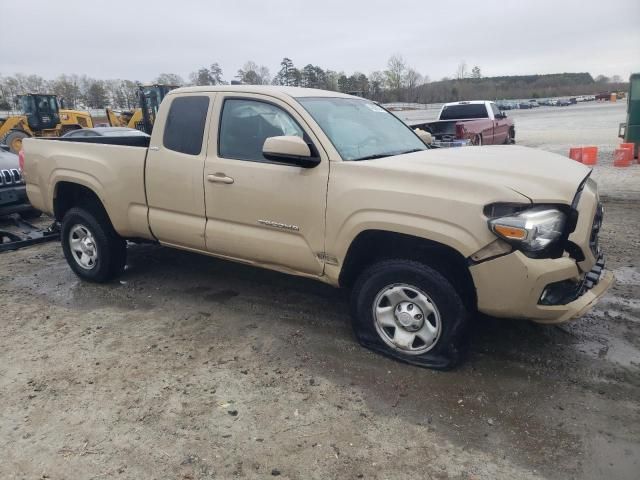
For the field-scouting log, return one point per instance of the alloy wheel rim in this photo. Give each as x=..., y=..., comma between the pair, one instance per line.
x=407, y=319
x=83, y=247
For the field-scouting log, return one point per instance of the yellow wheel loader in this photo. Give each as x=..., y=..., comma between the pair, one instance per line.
x=142, y=118
x=41, y=117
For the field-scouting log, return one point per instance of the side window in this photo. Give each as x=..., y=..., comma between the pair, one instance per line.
x=184, y=128
x=496, y=110
x=246, y=124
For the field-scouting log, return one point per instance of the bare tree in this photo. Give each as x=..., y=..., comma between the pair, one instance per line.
x=170, y=79
x=395, y=72
x=252, y=74
x=413, y=79
x=461, y=72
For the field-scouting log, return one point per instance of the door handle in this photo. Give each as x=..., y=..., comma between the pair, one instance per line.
x=155, y=149
x=219, y=178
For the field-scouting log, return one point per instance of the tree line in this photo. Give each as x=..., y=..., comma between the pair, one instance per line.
x=399, y=82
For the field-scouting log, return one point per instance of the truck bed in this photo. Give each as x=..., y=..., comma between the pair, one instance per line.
x=112, y=167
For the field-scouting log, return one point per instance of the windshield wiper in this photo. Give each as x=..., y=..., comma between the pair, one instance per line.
x=373, y=157
x=384, y=155
x=411, y=151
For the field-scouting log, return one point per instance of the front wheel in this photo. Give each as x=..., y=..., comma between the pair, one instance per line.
x=511, y=137
x=13, y=140
x=409, y=311
x=93, y=249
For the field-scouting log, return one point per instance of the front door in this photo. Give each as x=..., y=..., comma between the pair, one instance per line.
x=174, y=167
x=501, y=129
x=257, y=210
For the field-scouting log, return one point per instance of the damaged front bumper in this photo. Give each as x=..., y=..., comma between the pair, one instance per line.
x=516, y=286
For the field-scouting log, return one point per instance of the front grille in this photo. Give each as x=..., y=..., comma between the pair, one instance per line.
x=592, y=277
x=595, y=230
x=566, y=291
x=10, y=177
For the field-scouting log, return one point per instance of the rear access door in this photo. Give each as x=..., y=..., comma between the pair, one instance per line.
x=175, y=162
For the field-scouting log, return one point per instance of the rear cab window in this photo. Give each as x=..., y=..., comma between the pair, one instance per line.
x=185, y=124
x=464, y=111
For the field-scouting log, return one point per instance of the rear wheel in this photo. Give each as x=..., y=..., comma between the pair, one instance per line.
x=93, y=249
x=477, y=141
x=409, y=311
x=13, y=140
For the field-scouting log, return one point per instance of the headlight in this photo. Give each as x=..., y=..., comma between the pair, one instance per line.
x=533, y=229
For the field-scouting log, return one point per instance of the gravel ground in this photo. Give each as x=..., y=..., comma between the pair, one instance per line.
x=193, y=368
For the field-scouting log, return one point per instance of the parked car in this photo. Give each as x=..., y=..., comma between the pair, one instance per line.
x=502, y=106
x=333, y=187
x=105, y=132
x=525, y=105
x=563, y=102
x=553, y=102
x=13, y=195
x=534, y=103
x=470, y=123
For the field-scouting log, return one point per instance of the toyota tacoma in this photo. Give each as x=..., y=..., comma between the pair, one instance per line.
x=335, y=188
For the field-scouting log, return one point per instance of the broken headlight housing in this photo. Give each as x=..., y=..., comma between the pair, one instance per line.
x=535, y=229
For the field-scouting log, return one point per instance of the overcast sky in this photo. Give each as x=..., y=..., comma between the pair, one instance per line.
x=139, y=39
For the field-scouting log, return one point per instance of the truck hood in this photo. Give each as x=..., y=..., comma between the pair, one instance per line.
x=541, y=176
x=8, y=160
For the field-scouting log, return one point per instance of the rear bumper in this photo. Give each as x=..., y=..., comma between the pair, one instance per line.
x=511, y=286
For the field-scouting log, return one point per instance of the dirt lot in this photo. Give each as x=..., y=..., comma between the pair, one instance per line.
x=192, y=368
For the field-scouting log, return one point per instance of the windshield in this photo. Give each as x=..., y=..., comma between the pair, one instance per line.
x=360, y=129
x=47, y=104
x=464, y=111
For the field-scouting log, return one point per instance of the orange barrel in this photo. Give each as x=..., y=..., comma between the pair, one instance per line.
x=575, y=153
x=622, y=157
x=614, y=97
x=589, y=155
x=630, y=146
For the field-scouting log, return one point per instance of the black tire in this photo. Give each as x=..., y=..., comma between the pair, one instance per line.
x=13, y=140
x=477, y=141
x=511, y=137
x=449, y=348
x=31, y=214
x=110, y=248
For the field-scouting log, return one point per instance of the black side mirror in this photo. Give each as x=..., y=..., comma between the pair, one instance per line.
x=291, y=150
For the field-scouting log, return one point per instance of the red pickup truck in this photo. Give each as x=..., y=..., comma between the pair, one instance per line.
x=470, y=123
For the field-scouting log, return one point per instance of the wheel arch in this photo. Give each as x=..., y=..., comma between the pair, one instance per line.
x=370, y=246
x=67, y=195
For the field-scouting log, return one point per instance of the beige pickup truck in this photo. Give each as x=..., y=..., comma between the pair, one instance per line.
x=335, y=188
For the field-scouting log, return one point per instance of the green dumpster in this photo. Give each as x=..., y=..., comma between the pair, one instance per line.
x=630, y=131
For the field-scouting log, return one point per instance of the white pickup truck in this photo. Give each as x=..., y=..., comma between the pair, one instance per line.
x=335, y=188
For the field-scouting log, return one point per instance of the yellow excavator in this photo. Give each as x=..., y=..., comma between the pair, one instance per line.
x=141, y=118
x=41, y=117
